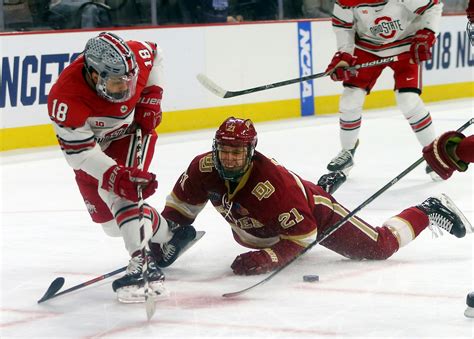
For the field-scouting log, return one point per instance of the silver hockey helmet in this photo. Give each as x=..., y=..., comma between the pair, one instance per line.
x=470, y=21
x=113, y=60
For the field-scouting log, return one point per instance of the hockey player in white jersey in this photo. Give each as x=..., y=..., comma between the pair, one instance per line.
x=373, y=29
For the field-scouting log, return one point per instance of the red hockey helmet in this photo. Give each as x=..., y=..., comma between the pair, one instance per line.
x=470, y=21
x=234, y=132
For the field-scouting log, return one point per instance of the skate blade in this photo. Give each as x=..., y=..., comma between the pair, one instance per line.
x=136, y=294
x=447, y=200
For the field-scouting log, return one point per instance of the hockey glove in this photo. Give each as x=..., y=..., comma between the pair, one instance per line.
x=337, y=67
x=441, y=154
x=124, y=182
x=266, y=260
x=420, y=49
x=148, y=109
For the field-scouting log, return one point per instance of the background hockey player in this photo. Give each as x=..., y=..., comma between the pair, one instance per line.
x=277, y=213
x=96, y=104
x=370, y=30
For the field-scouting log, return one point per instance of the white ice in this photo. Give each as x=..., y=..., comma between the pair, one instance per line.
x=419, y=292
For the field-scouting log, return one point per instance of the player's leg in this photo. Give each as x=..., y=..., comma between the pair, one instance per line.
x=350, y=109
x=357, y=239
x=126, y=214
x=407, y=90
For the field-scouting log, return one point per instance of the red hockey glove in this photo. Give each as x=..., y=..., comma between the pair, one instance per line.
x=441, y=154
x=420, y=49
x=148, y=109
x=124, y=182
x=266, y=260
x=339, y=61
x=255, y=262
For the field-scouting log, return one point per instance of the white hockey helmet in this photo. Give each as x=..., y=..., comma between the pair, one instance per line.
x=112, y=59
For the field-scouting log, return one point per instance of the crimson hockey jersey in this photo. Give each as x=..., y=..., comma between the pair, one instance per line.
x=86, y=123
x=384, y=28
x=270, y=203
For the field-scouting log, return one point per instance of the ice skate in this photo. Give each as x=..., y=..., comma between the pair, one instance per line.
x=444, y=214
x=130, y=287
x=184, y=237
x=434, y=176
x=344, y=161
x=330, y=182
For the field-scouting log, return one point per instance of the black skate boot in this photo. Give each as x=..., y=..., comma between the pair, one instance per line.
x=434, y=176
x=332, y=181
x=183, y=238
x=444, y=214
x=130, y=287
x=344, y=161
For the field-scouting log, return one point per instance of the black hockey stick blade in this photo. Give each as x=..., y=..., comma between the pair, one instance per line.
x=337, y=225
x=55, y=286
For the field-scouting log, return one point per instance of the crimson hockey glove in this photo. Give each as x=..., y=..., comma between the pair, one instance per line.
x=124, y=182
x=420, y=49
x=339, y=61
x=441, y=155
x=266, y=260
x=148, y=109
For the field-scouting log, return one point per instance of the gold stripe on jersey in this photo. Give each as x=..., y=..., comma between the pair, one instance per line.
x=300, y=184
x=188, y=210
x=241, y=184
x=302, y=240
x=320, y=200
x=252, y=240
x=366, y=229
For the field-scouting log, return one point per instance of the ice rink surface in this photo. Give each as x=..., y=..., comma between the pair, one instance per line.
x=419, y=292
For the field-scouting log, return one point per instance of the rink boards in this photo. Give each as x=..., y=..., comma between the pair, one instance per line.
x=236, y=56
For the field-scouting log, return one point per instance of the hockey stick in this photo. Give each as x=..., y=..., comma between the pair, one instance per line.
x=220, y=92
x=337, y=225
x=59, y=282
x=149, y=302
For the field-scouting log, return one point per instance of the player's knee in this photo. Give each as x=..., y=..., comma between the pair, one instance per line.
x=111, y=228
x=352, y=100
x=410, y=103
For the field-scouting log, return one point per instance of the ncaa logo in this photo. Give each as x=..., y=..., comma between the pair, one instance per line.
x=305, y=54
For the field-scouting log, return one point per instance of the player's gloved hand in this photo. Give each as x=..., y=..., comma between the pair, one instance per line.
x=124, y=182
x=441, y=154
x=339, y=61
x=420, y=49
x=148, y=109
x=255, y=262
x=268, y=259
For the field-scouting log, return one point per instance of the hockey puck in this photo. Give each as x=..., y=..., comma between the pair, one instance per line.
x=310, y=278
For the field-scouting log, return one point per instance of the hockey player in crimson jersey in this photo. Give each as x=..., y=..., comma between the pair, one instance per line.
x=373, y=29
x=275, y=212
x=95, y=106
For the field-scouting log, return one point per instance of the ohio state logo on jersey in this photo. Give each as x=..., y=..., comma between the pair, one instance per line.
x=386, y=27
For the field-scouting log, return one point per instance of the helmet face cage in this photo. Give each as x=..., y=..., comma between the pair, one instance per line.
x=470, y=32
x=470, y=22
x=236, y=133
x=109, y=56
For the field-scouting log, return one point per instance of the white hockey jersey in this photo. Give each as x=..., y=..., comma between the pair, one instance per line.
x=384, y=28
